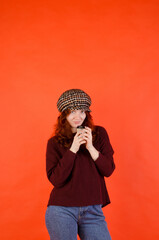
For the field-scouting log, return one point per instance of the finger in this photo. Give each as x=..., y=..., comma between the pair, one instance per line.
x=86, y=139
x=87, y=135
x=87, y=128
x=78, y=135
x=87, y=131
x=83, y=141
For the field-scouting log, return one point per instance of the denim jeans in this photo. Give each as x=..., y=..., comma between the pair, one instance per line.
x=64, y=223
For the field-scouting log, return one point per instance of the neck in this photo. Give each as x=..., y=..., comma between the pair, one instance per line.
x=74, y=130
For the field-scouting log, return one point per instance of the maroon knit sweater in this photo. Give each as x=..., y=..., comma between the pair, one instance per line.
x=77, y=179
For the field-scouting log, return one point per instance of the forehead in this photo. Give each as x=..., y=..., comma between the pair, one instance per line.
x=77, y=110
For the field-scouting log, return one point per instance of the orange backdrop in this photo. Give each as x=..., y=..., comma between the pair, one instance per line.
x=110, y=50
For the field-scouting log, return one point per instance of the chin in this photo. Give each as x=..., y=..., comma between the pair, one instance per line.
x=76, y=124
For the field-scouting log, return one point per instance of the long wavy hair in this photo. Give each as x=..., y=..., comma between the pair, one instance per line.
x=63, y=133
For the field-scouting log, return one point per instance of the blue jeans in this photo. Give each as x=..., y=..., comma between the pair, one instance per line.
x=64, y=223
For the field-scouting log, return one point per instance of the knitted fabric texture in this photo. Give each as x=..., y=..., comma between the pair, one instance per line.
x=74, y=99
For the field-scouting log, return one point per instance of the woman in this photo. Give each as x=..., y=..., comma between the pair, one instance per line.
x=76, y=163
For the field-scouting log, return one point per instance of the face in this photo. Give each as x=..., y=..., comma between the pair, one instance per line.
x=76, y=118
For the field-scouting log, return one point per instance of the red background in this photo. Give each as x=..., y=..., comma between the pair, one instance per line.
x=110, y=50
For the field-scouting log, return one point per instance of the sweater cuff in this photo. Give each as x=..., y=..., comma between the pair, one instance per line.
x=99, y=160
x=69, y=155
x=105, y=165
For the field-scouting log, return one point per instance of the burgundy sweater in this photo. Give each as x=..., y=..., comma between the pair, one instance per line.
x=77, y=179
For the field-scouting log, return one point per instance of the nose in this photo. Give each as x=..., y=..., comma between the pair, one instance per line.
x=77, y=115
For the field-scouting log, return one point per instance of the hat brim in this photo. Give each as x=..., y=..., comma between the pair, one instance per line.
x=86, y=109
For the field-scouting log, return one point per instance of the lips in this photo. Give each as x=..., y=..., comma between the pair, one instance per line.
x=77, y=122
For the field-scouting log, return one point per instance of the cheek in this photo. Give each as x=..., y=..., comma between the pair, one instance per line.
x=68, y=118
x=84, y=116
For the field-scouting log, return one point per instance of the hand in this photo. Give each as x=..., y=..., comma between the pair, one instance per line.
x=77, y=141
x=87, y=136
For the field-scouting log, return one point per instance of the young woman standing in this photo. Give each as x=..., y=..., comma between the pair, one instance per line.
x=77, y=160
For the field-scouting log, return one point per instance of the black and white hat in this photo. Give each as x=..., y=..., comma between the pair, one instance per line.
x=74, y=99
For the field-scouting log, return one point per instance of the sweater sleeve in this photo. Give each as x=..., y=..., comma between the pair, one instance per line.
x=105, y=162
x=58, y=168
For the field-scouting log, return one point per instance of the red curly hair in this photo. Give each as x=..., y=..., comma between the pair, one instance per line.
x=63, y=133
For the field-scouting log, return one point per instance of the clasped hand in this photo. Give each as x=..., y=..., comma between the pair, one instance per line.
x=83, y=137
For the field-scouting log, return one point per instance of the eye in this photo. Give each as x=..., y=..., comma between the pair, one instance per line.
x=82, y=111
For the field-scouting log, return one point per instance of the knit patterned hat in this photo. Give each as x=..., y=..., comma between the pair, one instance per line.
x=74, y=99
